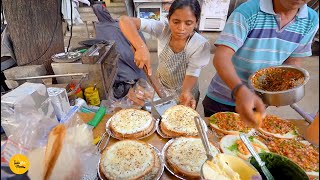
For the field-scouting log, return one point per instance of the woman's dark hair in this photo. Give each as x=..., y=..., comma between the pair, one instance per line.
x=179, y=4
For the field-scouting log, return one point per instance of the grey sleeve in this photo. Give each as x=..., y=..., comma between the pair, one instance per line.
x=199, y=60
x=152, y=27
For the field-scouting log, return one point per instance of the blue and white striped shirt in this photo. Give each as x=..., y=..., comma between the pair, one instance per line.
x=253, y=32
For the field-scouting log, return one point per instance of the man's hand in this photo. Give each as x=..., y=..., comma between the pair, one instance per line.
x=142, y=58
x=187, y=99
x=293, y=61
x=246, y=104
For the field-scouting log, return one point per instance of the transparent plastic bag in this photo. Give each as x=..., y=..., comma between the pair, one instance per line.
x=78, y=157
x=34, y=124
x=30, y=127
x=141, y=93
x=144, y=90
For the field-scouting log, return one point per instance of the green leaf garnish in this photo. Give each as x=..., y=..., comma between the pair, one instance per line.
x=233, y=147
x=212, y=120
x=251, y=138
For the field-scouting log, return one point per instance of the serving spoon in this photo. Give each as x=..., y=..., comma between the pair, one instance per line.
x=262, y=165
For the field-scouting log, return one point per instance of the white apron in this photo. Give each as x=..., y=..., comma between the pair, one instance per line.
x=172, y=70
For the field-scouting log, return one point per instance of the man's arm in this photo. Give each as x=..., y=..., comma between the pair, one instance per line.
x=222, y=63
x=295, y=61
x=246, y=101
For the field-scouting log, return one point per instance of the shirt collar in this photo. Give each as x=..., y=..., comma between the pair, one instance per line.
x=267, y=7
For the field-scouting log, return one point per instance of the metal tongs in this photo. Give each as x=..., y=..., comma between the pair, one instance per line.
x=262, y=165
x=99, y=144
x=204, y=138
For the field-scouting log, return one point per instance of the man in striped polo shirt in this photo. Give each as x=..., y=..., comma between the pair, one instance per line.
x=258, y=34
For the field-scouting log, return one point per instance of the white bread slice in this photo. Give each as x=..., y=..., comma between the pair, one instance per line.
x=221, y=131
x=186, y=156
x=179, y=121
x=289, y=135
x=36, y=169
x=127, y=159
x=313, y=174
x=230, y=140
x=66, y=167
x=50, y=162
x=235, y=117
x=131, y=123
x=53, y=149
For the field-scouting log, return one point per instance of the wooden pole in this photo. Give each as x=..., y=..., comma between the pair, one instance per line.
x=35, y=28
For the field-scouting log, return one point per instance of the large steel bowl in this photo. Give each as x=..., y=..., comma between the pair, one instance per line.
x=280, y=98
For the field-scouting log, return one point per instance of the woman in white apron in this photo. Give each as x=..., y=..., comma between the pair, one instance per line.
x=182, y=51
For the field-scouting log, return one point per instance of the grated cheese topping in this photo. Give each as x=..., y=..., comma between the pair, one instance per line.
x=129, y=121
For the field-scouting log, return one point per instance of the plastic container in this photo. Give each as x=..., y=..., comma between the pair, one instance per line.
x=92, y=96
x=280, y=167
x=78, y=93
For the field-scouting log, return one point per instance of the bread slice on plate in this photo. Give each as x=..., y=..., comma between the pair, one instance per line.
x=276, y=127
x=131, y=124
x=186, y=155
x=179, y=121
x=129, y=159
x=227, y=123
x=232, y=144
x=300, y=152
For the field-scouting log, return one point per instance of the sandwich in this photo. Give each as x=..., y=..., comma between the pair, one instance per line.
x=131, y=123
x=232, y=144
x=179, y=121
x=129, y=159
x=300, y=152
x=186, y=156
x=276, y=127
x=228, y=123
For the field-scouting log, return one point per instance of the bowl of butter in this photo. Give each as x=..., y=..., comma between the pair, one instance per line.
x=228, y=167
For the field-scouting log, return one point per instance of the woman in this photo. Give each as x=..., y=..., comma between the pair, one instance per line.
x=182, y=51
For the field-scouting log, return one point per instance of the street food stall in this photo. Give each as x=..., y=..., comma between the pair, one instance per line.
x=75, y=129
x=130, y=142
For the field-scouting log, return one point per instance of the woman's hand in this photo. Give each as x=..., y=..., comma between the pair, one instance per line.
x=142, y=58
x=186, y=98
x=246, y=103
x=129, y=27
